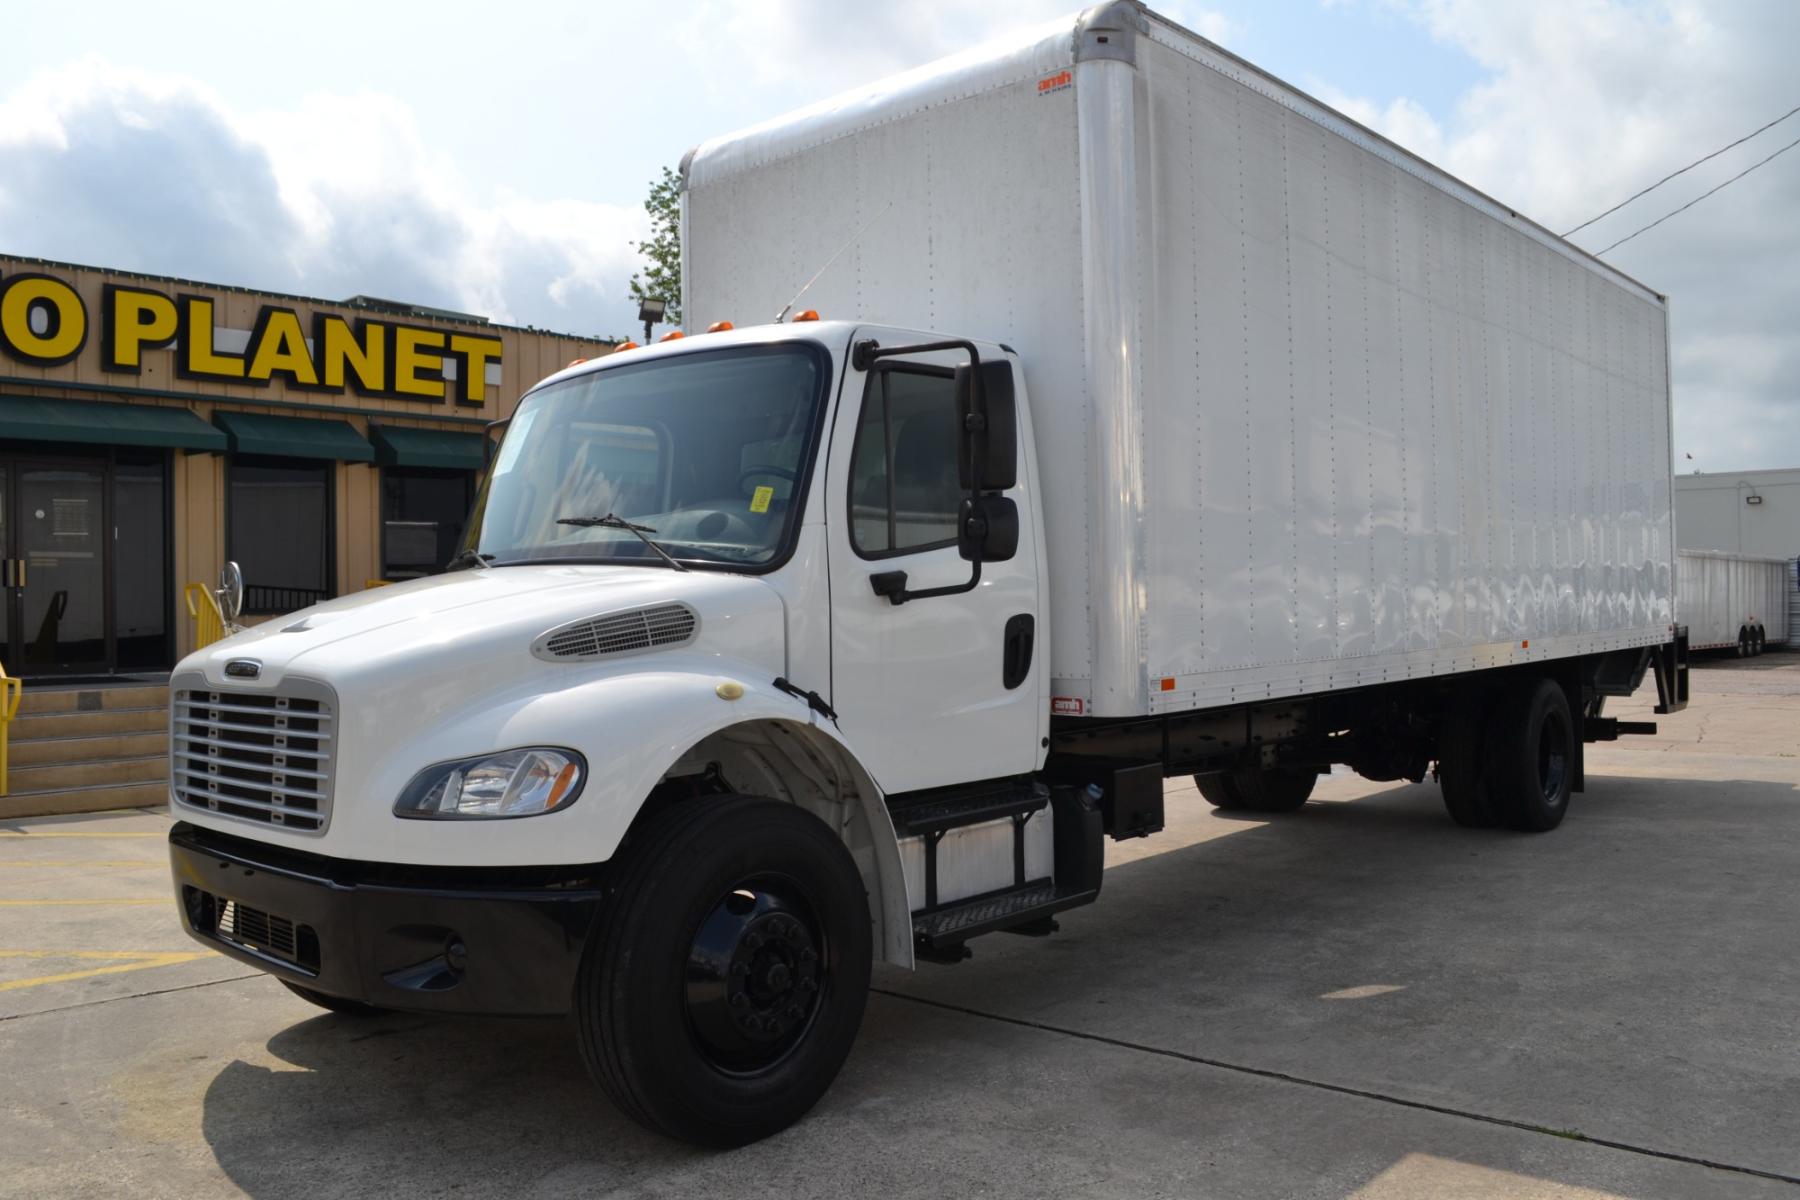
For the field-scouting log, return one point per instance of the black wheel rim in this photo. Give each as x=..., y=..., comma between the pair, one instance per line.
x=1553, y=757
x=756, y=973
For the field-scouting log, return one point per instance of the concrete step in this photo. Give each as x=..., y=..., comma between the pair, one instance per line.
x=52, y=777
x=49, y=698
x=89, y=724
x=84, y=799
x=46, y=750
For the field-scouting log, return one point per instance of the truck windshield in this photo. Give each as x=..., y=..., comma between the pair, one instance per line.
x=703, y=451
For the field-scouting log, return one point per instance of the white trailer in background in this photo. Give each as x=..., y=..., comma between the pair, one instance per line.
x=1162, y=422
x=1733, y=601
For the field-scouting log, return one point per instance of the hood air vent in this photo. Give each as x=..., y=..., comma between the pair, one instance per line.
x=619, y=633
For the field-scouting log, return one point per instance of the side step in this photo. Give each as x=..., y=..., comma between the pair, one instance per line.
x=939, y=934
x=940, y=931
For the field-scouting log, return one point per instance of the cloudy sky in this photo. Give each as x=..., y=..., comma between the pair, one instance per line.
x=494, y=158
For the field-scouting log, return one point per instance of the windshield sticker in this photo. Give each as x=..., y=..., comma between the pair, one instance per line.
x=514, y=441
x=759, y=503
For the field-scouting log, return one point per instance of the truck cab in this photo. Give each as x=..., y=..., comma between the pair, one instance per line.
x=759, y=584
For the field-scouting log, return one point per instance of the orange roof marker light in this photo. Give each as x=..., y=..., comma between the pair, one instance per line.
x=720, y=327
x=575, y=362
x=811, y=314
x=623, y=346
x=671, y=335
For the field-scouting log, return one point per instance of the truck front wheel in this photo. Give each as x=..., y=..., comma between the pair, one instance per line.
x=1531, y=756
x=725, y=980
x=1258, y=789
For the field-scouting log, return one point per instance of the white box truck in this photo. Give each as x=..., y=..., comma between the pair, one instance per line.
x=1166, y=422
x=1733, y=602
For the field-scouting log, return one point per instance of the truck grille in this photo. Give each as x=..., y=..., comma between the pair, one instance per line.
x=263, y=757
x=267, y=934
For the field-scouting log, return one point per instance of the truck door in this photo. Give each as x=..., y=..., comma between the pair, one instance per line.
x=940, y=689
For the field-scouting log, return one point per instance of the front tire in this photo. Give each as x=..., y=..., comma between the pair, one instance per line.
x=724, y=983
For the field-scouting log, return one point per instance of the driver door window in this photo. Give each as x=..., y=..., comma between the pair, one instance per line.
x=904, y=492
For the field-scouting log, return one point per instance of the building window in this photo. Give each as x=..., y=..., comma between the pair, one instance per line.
x=280, y=530
x=423, y=511
x=904, y=492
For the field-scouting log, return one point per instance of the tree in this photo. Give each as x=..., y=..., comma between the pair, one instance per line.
x=661, y=276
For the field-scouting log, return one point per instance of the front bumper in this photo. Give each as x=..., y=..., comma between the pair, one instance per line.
x=502, y=941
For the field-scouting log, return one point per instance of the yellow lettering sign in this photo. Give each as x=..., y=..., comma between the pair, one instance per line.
x=473, y=354
x=42, y=321
x=343, y=352
x=132, y=320
x=413, y=352
x=199, y=356
x=279, y=344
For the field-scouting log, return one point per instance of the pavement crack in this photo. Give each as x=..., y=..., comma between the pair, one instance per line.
x=185, y=987
x=1345, y=1090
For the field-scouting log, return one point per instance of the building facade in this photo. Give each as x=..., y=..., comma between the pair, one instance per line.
x=152, y=429
x=1740, y=512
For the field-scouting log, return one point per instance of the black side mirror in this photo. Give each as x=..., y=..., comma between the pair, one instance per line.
x=987, y=529
x=984, y=404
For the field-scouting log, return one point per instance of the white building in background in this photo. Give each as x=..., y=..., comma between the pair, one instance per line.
x=1739, y=512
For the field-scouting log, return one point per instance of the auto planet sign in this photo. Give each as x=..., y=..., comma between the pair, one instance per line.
x=45, y=323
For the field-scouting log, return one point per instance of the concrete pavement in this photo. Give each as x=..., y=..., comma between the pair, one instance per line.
x=1356, y=1000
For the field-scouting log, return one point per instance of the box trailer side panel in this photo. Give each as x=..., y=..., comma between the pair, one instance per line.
x=1388, y=431
x=1719, y=596
x=951, y=193
x=1310, y=413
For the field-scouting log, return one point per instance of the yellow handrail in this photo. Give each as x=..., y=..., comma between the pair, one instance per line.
x=209, y=621
x=11, y=691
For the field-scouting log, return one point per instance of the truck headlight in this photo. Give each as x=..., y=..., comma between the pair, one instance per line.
x=512, y=783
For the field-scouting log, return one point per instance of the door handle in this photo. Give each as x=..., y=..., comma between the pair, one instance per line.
x=21, y=572
x=1015, y=650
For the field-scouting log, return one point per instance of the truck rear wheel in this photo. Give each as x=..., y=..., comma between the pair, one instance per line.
x=725, y=980
x=1258, y=789
x=1531, y=756
x=1462, y=774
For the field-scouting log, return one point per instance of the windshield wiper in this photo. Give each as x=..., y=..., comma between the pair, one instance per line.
x=468, y=558
x=613, y=521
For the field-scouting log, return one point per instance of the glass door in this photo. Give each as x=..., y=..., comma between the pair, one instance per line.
x=58, y=569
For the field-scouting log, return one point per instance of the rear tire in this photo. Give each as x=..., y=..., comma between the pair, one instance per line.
x=336, y=1004
x=1257, y=789
x=1462, y=769
x=725, y=980
x=1757, y=640
x=1531, y=756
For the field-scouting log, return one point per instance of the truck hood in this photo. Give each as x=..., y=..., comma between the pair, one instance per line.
x=485, y=621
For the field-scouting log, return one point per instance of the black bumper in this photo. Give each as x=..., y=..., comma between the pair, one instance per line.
x=472, y=941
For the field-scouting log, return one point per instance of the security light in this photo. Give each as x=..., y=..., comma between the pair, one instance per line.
x=650, y=312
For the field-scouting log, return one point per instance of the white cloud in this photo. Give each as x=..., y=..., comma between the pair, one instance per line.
x=335, y=196
x=1586, y=101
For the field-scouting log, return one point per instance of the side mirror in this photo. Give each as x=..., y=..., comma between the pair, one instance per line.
x=231, y=591
x=984, y=403
x=987, y=529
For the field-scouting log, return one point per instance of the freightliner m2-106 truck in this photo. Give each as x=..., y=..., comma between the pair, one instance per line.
x=1166, y=423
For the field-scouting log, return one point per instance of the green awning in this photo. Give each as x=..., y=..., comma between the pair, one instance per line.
x=295, y=437
x=399, y=447
x=36, y=419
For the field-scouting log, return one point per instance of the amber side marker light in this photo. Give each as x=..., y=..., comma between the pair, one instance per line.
x=671, y=335
x=811, y=314
x=720, y=327
x=624, y=346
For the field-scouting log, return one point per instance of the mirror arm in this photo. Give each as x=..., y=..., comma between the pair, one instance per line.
x=892, y=584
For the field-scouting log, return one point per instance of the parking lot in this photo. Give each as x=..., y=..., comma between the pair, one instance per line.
x=1357, y=1000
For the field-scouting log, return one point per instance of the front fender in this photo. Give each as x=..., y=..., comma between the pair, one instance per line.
x=633, y=727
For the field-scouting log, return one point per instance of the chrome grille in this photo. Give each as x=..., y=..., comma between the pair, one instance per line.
x=257, y=756
x=620, y=633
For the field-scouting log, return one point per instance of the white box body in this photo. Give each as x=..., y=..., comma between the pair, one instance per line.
x=1310, y=413
x=1719, y=594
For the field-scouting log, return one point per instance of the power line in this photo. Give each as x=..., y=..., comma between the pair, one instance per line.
x=1722, y=149
x=1697, y=199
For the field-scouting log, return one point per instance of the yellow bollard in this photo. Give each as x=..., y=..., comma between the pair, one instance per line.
x=203, y=606
x=11, y=692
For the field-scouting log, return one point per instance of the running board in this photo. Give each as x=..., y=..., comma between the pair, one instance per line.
x=939, y=934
